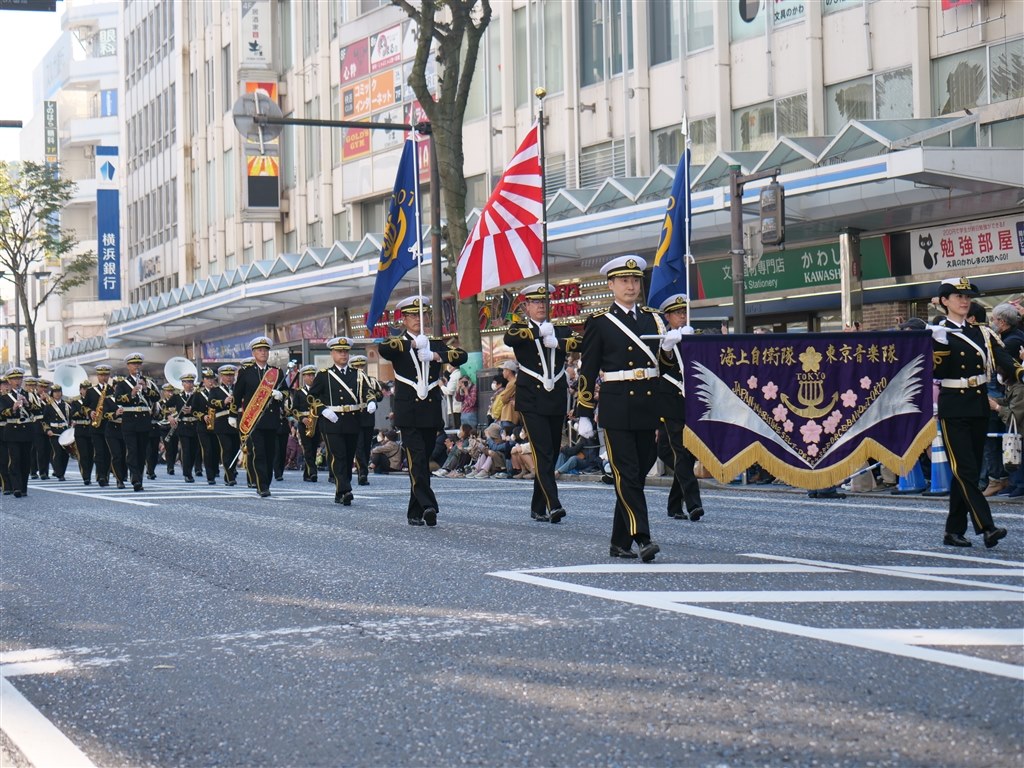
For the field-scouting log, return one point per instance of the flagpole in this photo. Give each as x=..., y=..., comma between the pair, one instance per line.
x=540, y=93
x=419, y=230
x=687, y=257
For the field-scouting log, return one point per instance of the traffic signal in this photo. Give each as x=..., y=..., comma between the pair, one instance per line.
x=773, y=214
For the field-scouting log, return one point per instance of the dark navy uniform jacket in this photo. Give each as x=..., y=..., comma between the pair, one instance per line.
x=531, y=395
x=410, y=410
x=327, y=389
x=971, y=353
x=246, y=384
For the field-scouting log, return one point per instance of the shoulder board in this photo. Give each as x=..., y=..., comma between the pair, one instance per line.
x=602, y=313
x=650, y=310
x=323, y=370
x=118, y=378
x=248, y=365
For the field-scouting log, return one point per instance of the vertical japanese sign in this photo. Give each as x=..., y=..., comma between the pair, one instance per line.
x=108, y=224
x=254, y=51
x=50, y=129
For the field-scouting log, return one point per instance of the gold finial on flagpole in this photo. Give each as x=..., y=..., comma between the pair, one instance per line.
x=540, y=92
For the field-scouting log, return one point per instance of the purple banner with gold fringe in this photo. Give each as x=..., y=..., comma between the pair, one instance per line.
x=810, y=408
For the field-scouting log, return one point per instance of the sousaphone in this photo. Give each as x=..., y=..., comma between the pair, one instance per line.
x=177, y=367
x=70, y=378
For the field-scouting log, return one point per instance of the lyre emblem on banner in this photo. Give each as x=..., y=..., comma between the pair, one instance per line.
x=812, y=388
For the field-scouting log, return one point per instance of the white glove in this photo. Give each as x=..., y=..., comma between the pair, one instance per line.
x=585, y=427
x=232, y=421
x=425, y=355
x=371, y=407
x=671, y=338
x=330, y=415
x=550, y=342
x=546, y=329
x=940, y=333
x=276, y=394
x=687, y=330
x=421, y=342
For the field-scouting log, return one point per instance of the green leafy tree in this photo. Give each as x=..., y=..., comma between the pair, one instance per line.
x=32, y=197
x=457, y=27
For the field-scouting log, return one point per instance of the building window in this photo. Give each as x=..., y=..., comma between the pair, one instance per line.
x=269, y=249
x=1007, y=133
x=551, y=45
x=314, y=234
x=248, y=255
x=228, y=77
x=312, y=142
x=490, y=52
x=288, y=157
x=757, y=127
x=342, y=226
x=229, y=184
x=601, y=161
x=284, y=10
x=667, y=144
x=365, y=6
x=333, y=19
x=336, y=134
x=521, y=73
x=1006, y=64
x=744, y=30
x=887, y=96
x=372, y=214
x=476, y=191
x=979, y=76
x=211, y=194
x=663, y=31
x=601, y=39
x=700, y=25
x=310, y=29
x=211, y=89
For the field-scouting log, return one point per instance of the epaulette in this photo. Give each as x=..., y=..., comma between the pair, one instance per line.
x=650, y=310
x=323, y=370
x=601, y=313
x=248, y=365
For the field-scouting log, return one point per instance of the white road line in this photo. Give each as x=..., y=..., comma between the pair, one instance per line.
x=39, y=740
x=957, y=637
x=947, y=571
x=885, y=571
x=37, y=667
x=684, y=568
x=105, y=496
x=840, y=637
x=963, y=558
x=830, y=596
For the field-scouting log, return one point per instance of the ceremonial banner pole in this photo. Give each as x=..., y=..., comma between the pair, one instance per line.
x=687, y=256
x=540, y=93
x=419, y=230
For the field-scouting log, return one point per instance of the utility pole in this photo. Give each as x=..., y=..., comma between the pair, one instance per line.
x=736, y=249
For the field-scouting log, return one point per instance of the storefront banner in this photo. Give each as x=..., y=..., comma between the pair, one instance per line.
x=254, y=50
x=386, y=48
x=355, y=61
x=810, y=409
x=108, y=224
x=230, y=349
x=50, y=131
x=793, y=270
x=969, y=245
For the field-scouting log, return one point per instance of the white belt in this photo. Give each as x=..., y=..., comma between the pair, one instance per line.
x=345, y=408
x=218, y=414
x=675, y=382
x=415, y=386
x=637, y=374
x=968, y=383
x=135, y=409
x=549, y=385
x=186, y=419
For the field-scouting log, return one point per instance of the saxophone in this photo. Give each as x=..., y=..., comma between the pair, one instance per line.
x=311, y=427
x=97, y=417
x=210, y=417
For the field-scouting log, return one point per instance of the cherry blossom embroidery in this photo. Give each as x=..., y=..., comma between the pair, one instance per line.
x=769, y=390
x=849, y=397
x=811, y=431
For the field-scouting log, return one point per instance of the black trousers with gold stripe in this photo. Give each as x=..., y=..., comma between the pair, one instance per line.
x=631, y=454
x=965, y=445
x=678, y=459
x=341, y=448
x=418, y=442
x=545, y=435
x=260, y=451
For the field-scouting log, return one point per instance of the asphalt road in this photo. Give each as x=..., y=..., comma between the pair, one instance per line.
x=200, y=626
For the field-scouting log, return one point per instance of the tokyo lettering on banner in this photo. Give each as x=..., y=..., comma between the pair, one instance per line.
x=809, y=408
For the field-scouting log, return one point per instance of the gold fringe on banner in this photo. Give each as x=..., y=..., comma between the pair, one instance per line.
x=811, y=479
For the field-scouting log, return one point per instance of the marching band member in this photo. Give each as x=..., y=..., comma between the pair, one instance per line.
x=161, y=433
x=82, y=423
x=340, y=394
x=57, y=415
x=259, y=399
x=541, y=393
x=40, y=461
x=417, y=361
x=308, y=424
x=135, y=396
x=182, y=416
x=225, y=424
x=367, y=421
x=965, y=356
x=5, y=480
x=95, y=401
x=19, y=412
x=629, y=409
x=113, y=435
x=208, y=459
x=685, y=488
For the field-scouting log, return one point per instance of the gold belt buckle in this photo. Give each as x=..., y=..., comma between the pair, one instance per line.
x=972, y=381
x=639, y=373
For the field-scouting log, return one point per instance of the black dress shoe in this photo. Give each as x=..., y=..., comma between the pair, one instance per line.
x=233, y=482
x=279, y=479
x=363, y=481
x=87, y=482
x=993, y=535
x=18, y=494
x=44, y=477
x=955, y=540
x=264, y=494
x=153, y=477
x=415, y=521
x=696, y=513
x=648, y=551
x=430, y=516
x=540, y=517
x=199, y=474
x=34, y=477
x=190, y=479
x=346, y=499
x=8, y=493
x=61, y=478
x=136, y=486
x=626, y=554
x=556, y=514
x=169, y=472
x=211, y=482
x=120, y=484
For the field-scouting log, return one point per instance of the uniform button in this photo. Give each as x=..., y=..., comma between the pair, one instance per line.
x=962, y=354
x=631, y=392
x=631, y=364
x=629, y=348
x=648, y=392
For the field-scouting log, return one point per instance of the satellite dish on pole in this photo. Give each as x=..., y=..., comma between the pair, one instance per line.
x=251, y=105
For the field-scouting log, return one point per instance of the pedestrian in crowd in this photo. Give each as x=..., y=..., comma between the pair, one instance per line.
x=259, y=404
x=465, y=394
x=1010, y=410
x=386, y=456
x=1005, y=320
x=418, y=361
x=494, y=409
x=965, y=357
x=630, y=411
x=508, y=416
x=684, y=500
x=541, y=349
x=57, y=416
x=524, y=466
x=344, y=393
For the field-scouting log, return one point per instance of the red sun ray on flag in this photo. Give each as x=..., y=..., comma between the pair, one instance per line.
x=506, y=245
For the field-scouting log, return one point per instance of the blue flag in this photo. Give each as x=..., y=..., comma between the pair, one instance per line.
x=668, y=276
x=400, y=230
